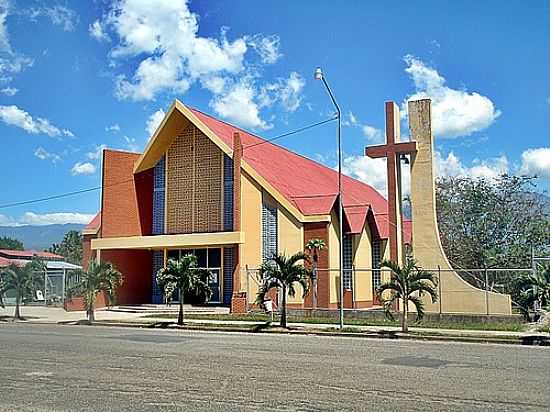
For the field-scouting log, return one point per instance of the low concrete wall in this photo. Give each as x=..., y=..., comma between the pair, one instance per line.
x=379, y=315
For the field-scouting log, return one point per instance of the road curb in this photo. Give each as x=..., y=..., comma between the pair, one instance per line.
x=531, y=340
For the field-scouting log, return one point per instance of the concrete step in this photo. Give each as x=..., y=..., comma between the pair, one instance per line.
x=174, y=308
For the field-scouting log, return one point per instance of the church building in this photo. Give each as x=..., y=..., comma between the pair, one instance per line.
x=233, y=199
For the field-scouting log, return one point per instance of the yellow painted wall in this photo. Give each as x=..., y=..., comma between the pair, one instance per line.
x=334, y=257
x=251, y=225
x=385, y=254
x=363, y=260
x=458, y=296
x=290, y=240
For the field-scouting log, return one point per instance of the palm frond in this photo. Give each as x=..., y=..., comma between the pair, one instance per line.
x=419, y=306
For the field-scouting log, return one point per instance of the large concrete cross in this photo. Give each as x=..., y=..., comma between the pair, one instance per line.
x=392, y=150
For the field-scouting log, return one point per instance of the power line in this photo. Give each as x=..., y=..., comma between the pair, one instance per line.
x=301, y=129
x=91, y=189
x=60, y=196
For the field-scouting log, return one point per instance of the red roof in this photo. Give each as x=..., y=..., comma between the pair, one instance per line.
x=28, y=254
x=22, y=257
x=308, y=185
x=94, y=225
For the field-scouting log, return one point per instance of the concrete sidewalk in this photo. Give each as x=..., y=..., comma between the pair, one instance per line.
x=48, y=314
x=41, y=314
x=374, y=329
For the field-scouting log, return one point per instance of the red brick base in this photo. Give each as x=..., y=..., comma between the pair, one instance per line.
x=77, y=303
x=348, y=299
x=239, y=303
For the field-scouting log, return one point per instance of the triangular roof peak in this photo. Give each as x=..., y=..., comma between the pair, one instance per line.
x=306, y=188
x=178, y=117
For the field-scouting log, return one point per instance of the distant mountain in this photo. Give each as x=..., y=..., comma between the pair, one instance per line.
x=39, y=237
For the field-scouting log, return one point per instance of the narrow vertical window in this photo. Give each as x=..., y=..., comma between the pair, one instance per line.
x=376, y=278
x=269, y=231
x=348, y=261
x=158, y=197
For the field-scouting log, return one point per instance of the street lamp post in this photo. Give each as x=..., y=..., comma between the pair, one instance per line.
x=319, y=76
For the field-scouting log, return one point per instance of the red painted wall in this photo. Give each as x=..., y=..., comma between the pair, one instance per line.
x=127, y=200
x=136, y=267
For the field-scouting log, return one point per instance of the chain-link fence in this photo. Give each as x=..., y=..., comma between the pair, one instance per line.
x=478, y=291
x=48, y=287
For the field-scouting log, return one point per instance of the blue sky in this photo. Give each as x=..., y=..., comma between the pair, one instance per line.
x=77, y=76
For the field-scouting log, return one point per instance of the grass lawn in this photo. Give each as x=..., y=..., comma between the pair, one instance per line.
x=260, y=317
x=545, y=329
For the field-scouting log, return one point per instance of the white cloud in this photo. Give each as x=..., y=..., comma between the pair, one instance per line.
x=454, y=112
x=215, y=84
x=370, y=171
x=9, y=91
x=10, y=61
x=97, y=31
x=161, y=42
x=154, y=121
x=166, y=34
x=4, y=37
x=14, y=116
x=113, y=128
x=30, y=218
x=536, y=162
x=86, y=168
x=131, y=144
x=290, y=93
x=43, y=154
x=287, y=92
x=37, y=219
x=266, y=46
x=372, y=134
x=488, y=169
x=58, y=15
x=238, y=105
x=11, y=64
x=96, y=153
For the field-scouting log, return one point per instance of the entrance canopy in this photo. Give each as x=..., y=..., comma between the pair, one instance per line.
x=169, y=241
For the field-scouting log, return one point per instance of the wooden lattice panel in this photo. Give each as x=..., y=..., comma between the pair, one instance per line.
x=208, y=187
x=194, y=184
x=179, y=199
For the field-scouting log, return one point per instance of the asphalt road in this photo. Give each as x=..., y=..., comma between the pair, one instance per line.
x=70, y=368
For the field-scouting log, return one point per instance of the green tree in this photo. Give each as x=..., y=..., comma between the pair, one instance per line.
x=70, y=247
x=491, y=223
x=101, y=277
x=22, y=280
x=281, y=272
x=315, y=246
x=11, y=244
x=407, y=284
x=534, y=290
x=185, y=274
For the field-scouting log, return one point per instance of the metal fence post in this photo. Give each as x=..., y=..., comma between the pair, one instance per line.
x=353, y=283
x=487, y=290
x=247, y=288
x=439, y=287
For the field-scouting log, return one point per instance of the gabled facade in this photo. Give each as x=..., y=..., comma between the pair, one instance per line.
x=233, y=199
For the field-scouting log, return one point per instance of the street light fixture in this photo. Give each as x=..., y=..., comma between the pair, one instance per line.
x=320, y=76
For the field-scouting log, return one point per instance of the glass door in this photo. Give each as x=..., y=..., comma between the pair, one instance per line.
x=207, y=258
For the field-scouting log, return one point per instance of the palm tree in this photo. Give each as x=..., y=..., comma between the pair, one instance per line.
x=407, y=284
x=283, y=272
x=315, y=246
x=101, y=277
x=535, y=289
x=185, y=274
x=20, y=279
